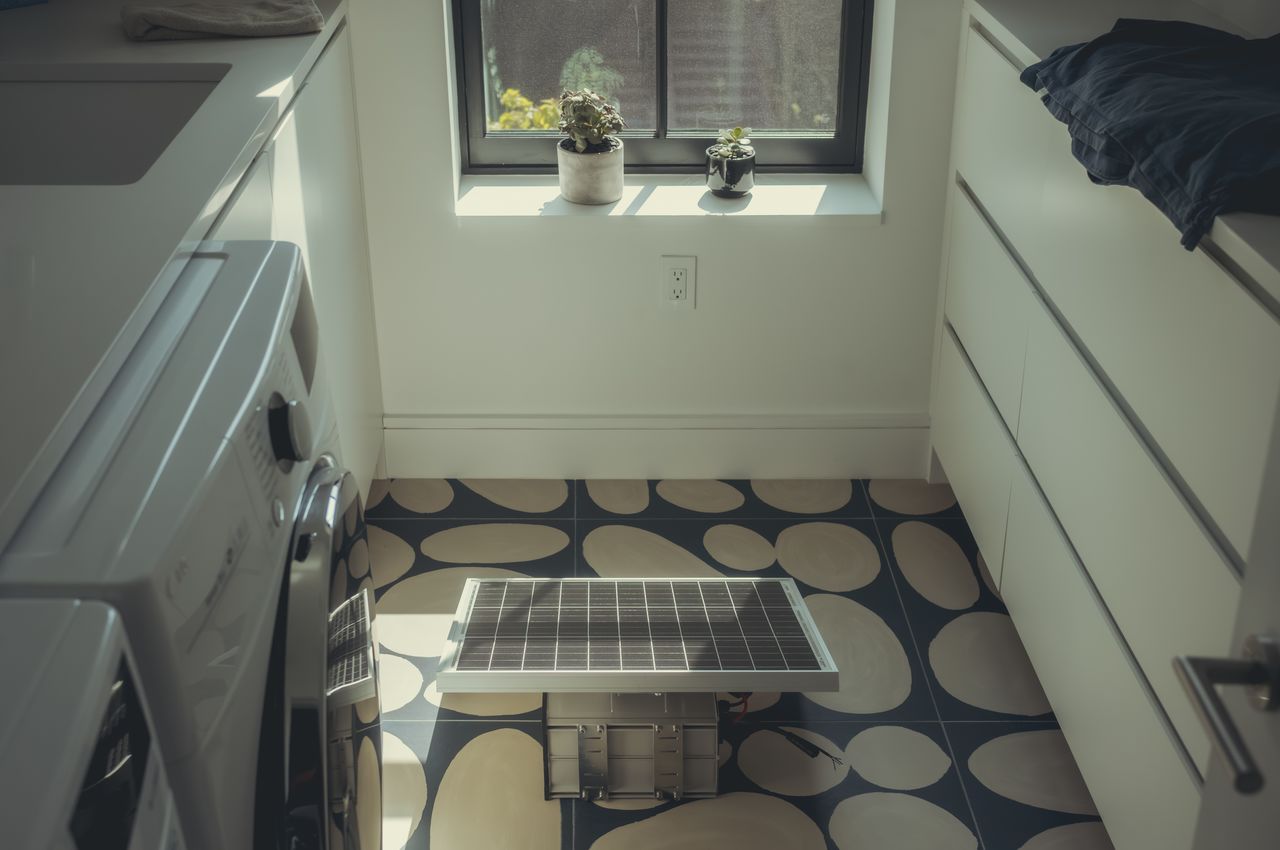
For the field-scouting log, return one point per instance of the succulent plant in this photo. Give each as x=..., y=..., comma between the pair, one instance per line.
x=589, y=120
x=733, y=144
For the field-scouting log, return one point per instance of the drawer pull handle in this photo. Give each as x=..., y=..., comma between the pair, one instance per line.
x=1259, y=670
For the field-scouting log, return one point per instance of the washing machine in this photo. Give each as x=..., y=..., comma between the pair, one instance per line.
x=196, y=503
x=82, y=765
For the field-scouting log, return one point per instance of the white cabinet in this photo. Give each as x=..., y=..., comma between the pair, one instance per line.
x=975, y=452
x=1102, y=405
x=305, y=188
x=1167, y=587
x=1142, y=787
x=987, y=304
x=1186, y=345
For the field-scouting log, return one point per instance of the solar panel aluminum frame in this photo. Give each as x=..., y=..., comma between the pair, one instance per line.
x=450, y=679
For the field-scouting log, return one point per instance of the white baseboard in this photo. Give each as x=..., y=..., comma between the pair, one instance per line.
x=857, y=446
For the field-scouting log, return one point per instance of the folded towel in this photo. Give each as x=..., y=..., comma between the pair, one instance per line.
x=1188, y=115
x=160, y=21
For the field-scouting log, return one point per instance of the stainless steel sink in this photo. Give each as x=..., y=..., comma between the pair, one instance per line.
x=94, y=124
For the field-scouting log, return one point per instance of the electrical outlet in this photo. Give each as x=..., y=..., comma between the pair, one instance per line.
x=677, y=284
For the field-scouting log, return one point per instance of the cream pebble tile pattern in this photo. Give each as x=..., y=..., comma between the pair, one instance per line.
x=888, y=821
x=804, y=496
x=979, y=660
x=934, y=565
x=739, y=547
x=911, y=498
x=495, y=543
x=627, y=551
x=525, y=496
x=897, y=757
x=1024, y=786
x=1034, y=768
x=828, y=556
x=704, y=497
x=943, y=735
x=405, y=792
x=421, y=496
x=624, y=497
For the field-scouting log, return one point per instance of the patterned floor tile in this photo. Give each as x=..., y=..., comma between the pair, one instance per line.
x=1021, y=780
x=470, y=498
x=910, y=498
x=885, y=567
x=484, y=787
x=976, y=664
x=759, y=762
x=840, y=569
x=409, y=693
x=677, y=498
x=404, y=548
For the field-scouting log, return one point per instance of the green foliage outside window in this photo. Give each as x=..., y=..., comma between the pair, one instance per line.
x=520, y=113
x=585, y=69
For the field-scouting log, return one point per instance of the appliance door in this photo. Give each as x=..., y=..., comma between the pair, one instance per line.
x=307, y=798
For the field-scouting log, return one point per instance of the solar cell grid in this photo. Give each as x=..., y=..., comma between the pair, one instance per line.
x=702, y=625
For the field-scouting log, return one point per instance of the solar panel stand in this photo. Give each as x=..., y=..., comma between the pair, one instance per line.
x=629, y=670
x=629, y=746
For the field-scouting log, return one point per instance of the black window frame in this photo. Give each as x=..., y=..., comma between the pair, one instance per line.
x=524, y=151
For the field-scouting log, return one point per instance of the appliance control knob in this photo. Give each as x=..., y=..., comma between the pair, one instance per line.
x=290, y=429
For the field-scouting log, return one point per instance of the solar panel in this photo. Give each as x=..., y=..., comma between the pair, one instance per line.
x=634, y=635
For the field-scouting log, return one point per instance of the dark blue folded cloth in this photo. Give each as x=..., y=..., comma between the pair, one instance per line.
x=1186, y=114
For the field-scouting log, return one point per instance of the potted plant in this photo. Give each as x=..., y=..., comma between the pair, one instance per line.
x=731, y=164
x=590, y=159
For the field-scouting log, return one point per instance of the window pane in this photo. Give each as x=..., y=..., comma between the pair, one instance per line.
x=537, y=48
x=764, y=64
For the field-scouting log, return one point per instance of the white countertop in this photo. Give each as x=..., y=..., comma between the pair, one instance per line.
x=1032, y=29
x=83, y=268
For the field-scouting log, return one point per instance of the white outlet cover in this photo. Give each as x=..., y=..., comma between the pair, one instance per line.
x=690, y=265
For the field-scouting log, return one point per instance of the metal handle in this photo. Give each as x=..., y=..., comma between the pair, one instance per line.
x=1260, y=671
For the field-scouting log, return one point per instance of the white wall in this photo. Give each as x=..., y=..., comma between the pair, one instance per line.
x=1258, y=18
x=807, y=330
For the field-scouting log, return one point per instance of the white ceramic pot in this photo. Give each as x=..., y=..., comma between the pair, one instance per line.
x=590, y=178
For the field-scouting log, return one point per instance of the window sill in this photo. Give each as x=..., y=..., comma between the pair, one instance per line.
x=674, y=196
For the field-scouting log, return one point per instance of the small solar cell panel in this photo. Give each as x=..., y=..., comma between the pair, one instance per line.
x=649, y=624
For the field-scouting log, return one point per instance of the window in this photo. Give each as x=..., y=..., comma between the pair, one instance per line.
x=680, y=70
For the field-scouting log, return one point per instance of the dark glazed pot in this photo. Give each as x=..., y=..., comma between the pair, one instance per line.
x=730, y=178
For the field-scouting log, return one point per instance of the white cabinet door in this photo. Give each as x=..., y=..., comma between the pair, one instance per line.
x=987, y=304
x=1137, y=775
x=318, y=203
x=975, y=452
x=1168, y=588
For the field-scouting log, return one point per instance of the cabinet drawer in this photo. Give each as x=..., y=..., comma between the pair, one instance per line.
x=1139, y=781
x=1168, y=588
x=1189, y=349
x=974, y=450
x=987, y=301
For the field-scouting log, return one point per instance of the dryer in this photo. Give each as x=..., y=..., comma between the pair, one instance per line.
x=82, y=765
x=177, y=505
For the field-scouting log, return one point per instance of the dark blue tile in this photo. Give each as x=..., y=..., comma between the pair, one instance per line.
x=482, y=550
x=735, y=498
x=497, y=779
x=487, y=707
x=879, y=596
x=475, y=499
x=892, y=504
x=593, y=821
x=929, y=620
x=1007, y=823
